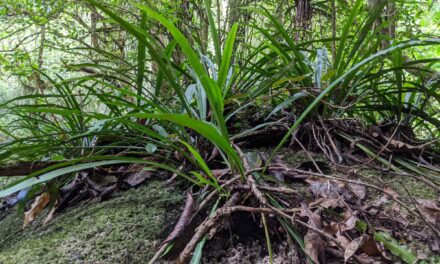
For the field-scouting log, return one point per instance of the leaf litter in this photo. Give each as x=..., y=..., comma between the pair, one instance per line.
x=342, y=217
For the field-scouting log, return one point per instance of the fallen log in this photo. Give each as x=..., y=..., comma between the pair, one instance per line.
x=25, y=168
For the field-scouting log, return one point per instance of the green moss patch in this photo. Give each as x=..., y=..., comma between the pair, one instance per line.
x=125, y=229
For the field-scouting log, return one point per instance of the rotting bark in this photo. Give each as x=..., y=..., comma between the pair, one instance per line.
x=25, y=168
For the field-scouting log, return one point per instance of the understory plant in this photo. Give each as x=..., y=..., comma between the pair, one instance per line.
x=183, y=111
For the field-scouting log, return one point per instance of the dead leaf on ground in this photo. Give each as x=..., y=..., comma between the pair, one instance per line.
x=184, y=219
x=49, y=217
x=353, y=246
x=332, y=229
x=220, y=172
x=359, y=190
x=429, y=210
x=139, y=177
x=331, y=203
x=326, y=189
x=370, y=247
x=350, y=223
x=314, y=246
x=382, y=200
x=51, y=214
x=390, y=192
x=37, y=206
x=343, y=241
x=314, y=219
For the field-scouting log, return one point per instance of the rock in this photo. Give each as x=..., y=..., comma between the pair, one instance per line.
x=125, y=229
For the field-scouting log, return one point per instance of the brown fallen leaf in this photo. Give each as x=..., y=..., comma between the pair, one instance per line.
x=359, y=190
x=333, y=228
x=350, y=219
x=39, y=204
x=370, y=247
x=314, y=219
x=353, y=246
x=429, y=210
x=314, y=246
x=137, y=178
x=390, y=192
x=326, y=189
x=331, y=203
x=183, y=221
x=51, y=214
x=343, y=241
x=336, y=192
x=350, y=223
x=49, y=217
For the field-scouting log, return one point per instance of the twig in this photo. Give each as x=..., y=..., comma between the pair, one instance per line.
x=366, y=185
x=204, y=228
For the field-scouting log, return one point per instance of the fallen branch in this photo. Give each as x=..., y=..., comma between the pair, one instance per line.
x=25, y=168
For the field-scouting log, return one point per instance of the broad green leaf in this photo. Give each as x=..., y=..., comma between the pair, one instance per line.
x=226, y=59
x=203, y=128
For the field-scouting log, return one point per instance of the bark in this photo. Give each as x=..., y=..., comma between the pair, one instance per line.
x=334, y=31
x=39, y=84
x=24, y=168
x=93, y=31
x=303, y=17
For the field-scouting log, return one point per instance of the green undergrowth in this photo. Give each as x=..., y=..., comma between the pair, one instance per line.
x=125, y=229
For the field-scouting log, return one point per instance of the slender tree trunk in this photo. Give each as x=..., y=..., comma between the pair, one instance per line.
x=94, y=38
x=204, y=28
x=303, y=17
x=392, y=14
x=38, y=82
x=334, y=31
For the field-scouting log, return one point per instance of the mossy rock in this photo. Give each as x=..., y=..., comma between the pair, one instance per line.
x=125, y=229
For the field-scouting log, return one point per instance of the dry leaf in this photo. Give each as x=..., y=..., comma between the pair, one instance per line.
x=39, y=204
x=391, y=192
x=353, y=246
x=325, y=189
x=359, y=190
x=332, y=228
x=137, y=178
x=350, y=223
x=429, y=210
x=314, y=219
x=184, y=219
x=314, y=246
x=370, y=247
x=49, y=217
x=343, y=241
x=331, y=203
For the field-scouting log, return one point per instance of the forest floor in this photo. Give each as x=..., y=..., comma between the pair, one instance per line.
x=130, y=227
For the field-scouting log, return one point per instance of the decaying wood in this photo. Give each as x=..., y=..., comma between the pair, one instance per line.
x=25, y=168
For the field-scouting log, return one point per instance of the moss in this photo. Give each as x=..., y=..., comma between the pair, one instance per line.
x=403, y=185
x=297, y=157
x=125, y=229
